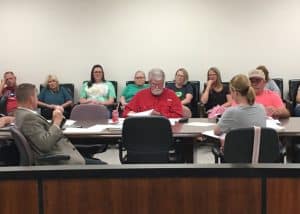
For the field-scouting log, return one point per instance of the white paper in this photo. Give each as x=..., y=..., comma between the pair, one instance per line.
x=274, y=124
x=203, y=124
x=211, y=133
x=143, y=113
x=173, y=121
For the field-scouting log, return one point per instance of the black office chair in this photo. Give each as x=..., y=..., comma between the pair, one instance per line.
x=26, y=154
x=132, y=82
x=293, y=89
x=146, y=140
x=47, y=113
x=87, y=115
x=3, y=102
x=238, y=147
x=195, y=101
x=279, y=83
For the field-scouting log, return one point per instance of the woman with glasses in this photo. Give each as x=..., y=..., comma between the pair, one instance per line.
x=97, y=90
x=215, y=93
x=52, y=96
x=131, y=89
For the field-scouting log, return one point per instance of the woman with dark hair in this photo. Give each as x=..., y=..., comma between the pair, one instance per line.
x=246, y=113
x=215, y=93
x=97, y=90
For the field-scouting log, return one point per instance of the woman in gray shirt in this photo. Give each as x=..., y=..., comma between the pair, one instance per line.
x=246, y=113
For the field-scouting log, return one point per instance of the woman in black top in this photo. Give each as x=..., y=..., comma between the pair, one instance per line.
x=215, y=92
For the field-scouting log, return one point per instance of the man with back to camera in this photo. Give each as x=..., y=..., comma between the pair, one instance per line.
x=44, y=137
x=8, y=90
x=163, y=101
x=269, y=99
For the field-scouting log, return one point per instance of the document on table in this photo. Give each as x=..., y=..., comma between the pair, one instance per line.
x=203, y=124
x=211, y=133
x=142, y=113
x=274, y=124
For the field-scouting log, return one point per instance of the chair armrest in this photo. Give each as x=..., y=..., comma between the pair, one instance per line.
x=53, y=157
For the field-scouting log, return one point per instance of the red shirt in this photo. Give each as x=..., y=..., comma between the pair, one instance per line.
x=11, y=104
x=167, y=103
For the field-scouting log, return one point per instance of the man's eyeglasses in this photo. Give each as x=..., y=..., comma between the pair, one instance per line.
x=139, y=77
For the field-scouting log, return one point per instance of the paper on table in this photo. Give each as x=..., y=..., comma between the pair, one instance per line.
x=211, y=133
x=200, y=124
x=92, y=129
x=142, y=113
x=274, y=124
x=173, y=121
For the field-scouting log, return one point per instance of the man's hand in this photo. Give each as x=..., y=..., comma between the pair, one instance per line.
x=57, y=116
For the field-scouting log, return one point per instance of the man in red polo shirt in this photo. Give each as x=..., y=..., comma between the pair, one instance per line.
x=8, y=90
x=162, y=101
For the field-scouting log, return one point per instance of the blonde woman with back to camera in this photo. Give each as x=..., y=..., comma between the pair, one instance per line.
x=246, y=113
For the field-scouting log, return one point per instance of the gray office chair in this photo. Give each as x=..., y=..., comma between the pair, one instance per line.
x=87, y=115
x=26, y=154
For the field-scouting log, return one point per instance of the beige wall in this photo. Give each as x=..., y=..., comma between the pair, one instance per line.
x=66, y=37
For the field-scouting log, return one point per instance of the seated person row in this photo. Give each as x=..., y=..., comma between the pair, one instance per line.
x=162, y=100
x=44, y=137
x=53, y=95
x=182, y=89
x=8, y=87
x=97, y=90
x=269, y=99
x=131, y=89
x=215, y=93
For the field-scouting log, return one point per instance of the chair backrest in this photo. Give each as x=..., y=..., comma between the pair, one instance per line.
x=195, y=101
x=3, y=102
x=293, y=88
x=132, y=82
x=146, y=140
x=239, y=144
x=279, y=83
x=25, y=152
x=90, y=113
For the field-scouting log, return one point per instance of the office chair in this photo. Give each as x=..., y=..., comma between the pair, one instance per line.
x=146, y=140
x=238, y=147
x=195, y=101
x=132, y=82
x=26, y=155
x=47, y=113
x=279, y=83
x=293, y=89
x=3, y=102
x=87, y=115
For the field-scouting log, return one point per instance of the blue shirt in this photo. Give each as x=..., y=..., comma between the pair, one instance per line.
x=57, y=98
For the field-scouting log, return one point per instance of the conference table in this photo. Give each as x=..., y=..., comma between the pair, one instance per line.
x=185, y=134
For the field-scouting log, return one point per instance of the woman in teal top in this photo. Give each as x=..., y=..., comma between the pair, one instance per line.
x=131, y=89
x=97, y=90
